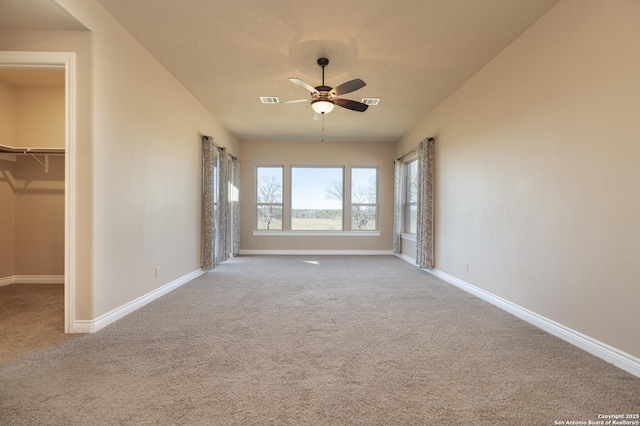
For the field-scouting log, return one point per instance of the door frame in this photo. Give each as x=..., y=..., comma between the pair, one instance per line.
x=67, y=61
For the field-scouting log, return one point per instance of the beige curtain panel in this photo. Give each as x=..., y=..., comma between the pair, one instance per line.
x=208, y=213
x=397, y=206
x=424, y=229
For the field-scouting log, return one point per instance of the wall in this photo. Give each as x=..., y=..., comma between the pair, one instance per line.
x=32, y=201
x=7, y=219
x=264, y=153
x=39, y=216
x=146, y=166
x=8, y=114
x=537, y=175
x=138, y=168
x=7, y=179
x=78, y=42
x=40, y=117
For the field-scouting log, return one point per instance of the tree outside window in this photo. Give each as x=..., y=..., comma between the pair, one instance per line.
x=269, y=198
x=316, y=198
x=364, y=199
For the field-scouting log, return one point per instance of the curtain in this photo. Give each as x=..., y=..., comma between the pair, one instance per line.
x=235, y=206
x=208, y=212
x=222, y=241
x=424, y=229
x=397, y=206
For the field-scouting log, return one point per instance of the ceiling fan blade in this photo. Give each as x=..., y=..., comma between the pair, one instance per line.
x=296, y=101
x=352, y=105
x=349, y=86
x=317, y=116
x=303, y=84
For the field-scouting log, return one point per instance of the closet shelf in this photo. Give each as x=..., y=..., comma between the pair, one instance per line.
x=30, y=151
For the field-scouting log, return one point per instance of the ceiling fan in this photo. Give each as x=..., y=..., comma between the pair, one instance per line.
x=324, y=98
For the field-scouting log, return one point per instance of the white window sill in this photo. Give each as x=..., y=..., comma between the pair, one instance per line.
x=408, y=237
x=318, y=233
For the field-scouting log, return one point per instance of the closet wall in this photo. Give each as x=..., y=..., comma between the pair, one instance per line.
x=31, y=199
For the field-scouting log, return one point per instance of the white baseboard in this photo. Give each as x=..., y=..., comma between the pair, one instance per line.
x=32, y=279
x=91, y=326
x=406, y=258
x=620, y=359
x=316, y=252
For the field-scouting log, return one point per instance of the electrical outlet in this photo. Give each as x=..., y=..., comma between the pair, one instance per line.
x=466, y=267
x=157, y=271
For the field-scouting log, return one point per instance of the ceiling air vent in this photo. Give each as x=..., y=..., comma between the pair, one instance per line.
x=371, y=101
x=269, y=99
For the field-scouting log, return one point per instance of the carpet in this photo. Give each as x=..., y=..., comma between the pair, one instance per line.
x=314, y=340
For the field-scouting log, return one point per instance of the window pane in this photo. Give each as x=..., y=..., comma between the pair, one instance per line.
x=269, y=185
x=411, y=219
x=364, y=184
x=363, y=218
x=412, y=182
x=316, y=198
x=269, y=217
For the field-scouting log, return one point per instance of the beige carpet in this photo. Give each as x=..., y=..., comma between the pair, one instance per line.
x=31, y=319
x=314, y=341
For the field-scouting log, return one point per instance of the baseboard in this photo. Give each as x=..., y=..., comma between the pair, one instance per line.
x=406, y=258
x=32, y=279
x=610, y=354
x=91, y=326
x=316, y=252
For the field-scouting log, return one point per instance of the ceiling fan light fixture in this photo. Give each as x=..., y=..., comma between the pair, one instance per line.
x=322, y=106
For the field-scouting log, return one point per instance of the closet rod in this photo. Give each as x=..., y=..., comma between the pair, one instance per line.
x=30, y=151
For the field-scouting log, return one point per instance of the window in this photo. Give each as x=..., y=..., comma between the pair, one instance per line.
x=269, y=198
x=364, y=199
x=316, y=198
x=411, y=198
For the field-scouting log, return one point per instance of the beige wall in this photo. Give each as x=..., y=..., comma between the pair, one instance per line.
x=39, y=217
x=32, y=218
x=138, y=172
x=7, y=218
x=7, y=114
x=146, y=167
x=80, y=44
x=263, y=153
x=537, y=175
x=40, y=118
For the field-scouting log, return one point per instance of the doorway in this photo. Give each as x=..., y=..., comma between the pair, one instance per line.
x=60, y=61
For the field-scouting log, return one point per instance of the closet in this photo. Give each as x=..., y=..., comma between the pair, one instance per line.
x=32, y=176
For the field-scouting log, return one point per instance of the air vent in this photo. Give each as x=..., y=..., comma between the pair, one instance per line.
x=269, y=99
x=371, y=101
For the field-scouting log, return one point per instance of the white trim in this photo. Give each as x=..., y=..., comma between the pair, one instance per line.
x=66, y=60
x=317, y=252
x=32, y=279
x=318, y=233
x=406, y=258
x=610, y=354
x=409, y=237
x=91, y=326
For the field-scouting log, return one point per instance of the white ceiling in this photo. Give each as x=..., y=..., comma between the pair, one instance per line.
x=412, y=54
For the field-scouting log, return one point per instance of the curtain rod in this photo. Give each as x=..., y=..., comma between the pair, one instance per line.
x=413, y=151
x=218, y=146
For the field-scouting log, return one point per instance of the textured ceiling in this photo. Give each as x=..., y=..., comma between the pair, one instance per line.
x=411, y=53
